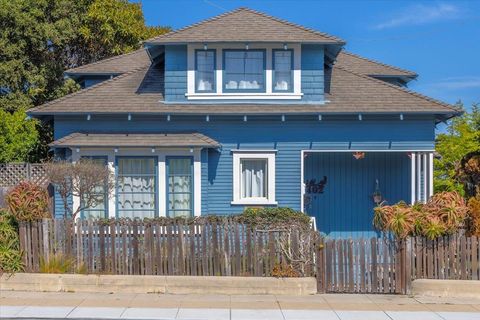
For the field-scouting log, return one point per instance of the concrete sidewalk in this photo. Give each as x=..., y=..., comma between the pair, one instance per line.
x=16, y=304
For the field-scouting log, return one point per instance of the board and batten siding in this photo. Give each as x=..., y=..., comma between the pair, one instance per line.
x=345, y=208
x=289, y=138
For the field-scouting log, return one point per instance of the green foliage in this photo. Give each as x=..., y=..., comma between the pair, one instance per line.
x=444, y=213
x=113, y=27
x=273, y=216
x=10, y=255
x=462, y=137
x=39, y=39
x=28, y=201
x=18, y=136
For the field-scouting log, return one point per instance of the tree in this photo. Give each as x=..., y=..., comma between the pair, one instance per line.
x=113, y=27
x=39, y=39
x=82, y=180
x=18, y=136
x=461, y=138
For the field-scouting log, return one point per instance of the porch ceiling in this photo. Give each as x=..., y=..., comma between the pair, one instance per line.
x=136, y=140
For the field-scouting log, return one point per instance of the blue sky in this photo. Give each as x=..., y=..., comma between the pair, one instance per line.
x=440, y=40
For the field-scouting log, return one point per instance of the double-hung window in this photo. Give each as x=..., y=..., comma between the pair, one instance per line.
x=99, y=209
x=136, y=187
x=254, y=178
x=180, y=186
x=283, y=70
x=244, y=70
x=205, y=71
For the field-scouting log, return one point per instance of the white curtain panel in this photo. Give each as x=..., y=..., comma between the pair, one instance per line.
x=253, y=178
x=179, y=187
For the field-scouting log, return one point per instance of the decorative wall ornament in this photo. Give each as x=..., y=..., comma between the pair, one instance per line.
x=359, y=155
x=312, y=186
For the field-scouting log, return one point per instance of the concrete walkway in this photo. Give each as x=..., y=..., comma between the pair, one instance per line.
x=16, y=304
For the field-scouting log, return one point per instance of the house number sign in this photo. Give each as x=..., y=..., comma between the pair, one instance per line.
x=312, y=186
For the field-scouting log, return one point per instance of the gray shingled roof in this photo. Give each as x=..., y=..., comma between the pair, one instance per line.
x=136, y=140
x=370, y=67
x=115, y=65
x=141, y=91
x=245, y=25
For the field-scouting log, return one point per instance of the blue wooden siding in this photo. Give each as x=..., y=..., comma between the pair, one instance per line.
x=289, y=138
x=175, y=73
x=312, y=72
x=345, y=208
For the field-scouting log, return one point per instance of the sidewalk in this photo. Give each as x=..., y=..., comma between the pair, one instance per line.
x=16, y=304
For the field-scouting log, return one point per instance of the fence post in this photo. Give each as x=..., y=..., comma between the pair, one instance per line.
x=408, y=265
x=320, y=266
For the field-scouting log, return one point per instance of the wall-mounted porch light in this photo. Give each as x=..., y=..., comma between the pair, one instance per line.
x=205, y=47
x=285, y=47
x=246, y=46
x=115, y=150
x=377, y=195
x=89, y=117
x=153, y=150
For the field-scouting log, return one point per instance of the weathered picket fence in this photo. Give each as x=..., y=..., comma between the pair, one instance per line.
x=375, y=265
x=449, y=257
x=220, y=247
x=227, y=247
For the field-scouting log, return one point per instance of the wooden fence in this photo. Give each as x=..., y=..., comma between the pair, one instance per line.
x=449, y=257
x=375, y=265
x=221, y=247
x=225, y=247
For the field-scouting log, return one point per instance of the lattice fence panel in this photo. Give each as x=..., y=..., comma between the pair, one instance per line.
x=12, y=174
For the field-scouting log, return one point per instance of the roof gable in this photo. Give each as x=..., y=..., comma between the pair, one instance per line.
x=244, y=25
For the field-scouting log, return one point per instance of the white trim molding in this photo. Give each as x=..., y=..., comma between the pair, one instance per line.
x=268, y=155
x=268, y=94
x=161, y=154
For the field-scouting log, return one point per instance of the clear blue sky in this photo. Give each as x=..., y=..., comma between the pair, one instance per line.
x=440, y=40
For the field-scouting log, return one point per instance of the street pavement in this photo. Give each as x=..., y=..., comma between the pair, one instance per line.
x=58, y=305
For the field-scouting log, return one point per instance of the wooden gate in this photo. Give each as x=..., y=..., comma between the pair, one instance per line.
x=372, y=265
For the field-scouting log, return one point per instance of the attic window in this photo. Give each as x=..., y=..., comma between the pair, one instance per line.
x=244, y=71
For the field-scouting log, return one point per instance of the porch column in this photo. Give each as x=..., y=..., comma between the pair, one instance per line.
x=421, y=176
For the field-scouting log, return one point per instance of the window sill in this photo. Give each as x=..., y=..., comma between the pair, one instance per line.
x=254, y=202
x=244, y=96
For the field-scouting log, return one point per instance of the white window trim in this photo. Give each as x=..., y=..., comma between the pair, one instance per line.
x=268, y=94
x=161, y=154
x=269, y=155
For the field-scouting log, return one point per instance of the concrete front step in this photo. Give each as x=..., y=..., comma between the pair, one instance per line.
x=158, y=284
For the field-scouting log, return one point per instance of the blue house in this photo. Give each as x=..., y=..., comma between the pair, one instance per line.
x=248, y=110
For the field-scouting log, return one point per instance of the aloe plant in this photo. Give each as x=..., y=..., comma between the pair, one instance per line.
x=28, y=201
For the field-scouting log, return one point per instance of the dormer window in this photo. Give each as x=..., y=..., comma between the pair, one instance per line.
x=282, y=70
x=240, y=72
x=244, y=71
x=205, y=71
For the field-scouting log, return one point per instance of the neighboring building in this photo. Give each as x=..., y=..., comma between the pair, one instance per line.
x=246, y=110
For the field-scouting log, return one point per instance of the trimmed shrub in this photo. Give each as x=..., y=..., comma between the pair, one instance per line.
x=275, y=216
x=28, y=201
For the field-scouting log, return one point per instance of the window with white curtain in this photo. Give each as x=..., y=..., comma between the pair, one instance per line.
x=254, y=177
x=244, y=70
x=283, y=70
x=180, y=186
x=205, y=70
x=136, y=181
